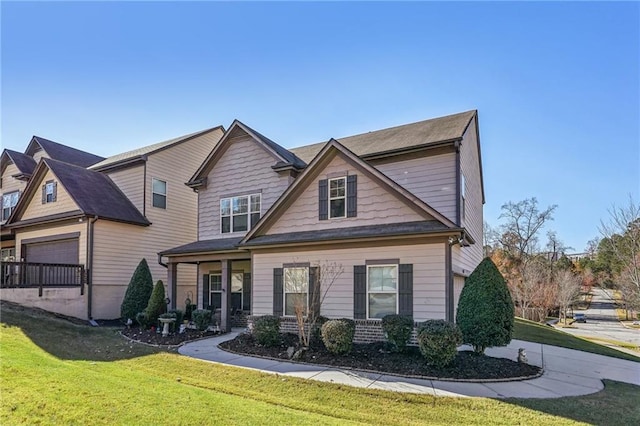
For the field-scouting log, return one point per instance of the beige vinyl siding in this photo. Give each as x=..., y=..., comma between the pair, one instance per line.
x=245, y=167
x=131, y=183
x=458, y=284
x=376, y=205
x=9, y=183
x=118, y=247
x=52, y=231
x=428, y=277
x=469, y=257
x=432, y=179
x=38, y=155
x=64, y=203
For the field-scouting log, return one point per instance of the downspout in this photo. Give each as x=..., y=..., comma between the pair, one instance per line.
x=90, y=237
x=160, y=262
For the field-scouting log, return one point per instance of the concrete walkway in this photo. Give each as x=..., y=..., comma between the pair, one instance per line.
x=566, y=372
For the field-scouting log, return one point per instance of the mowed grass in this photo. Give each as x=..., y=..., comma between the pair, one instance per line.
x=539, y=333
x=55, y=372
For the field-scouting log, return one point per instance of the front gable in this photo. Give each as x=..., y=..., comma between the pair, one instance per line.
x=47, y=197
x=374, y=204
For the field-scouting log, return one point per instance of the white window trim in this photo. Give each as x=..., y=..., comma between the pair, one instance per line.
x=166, y=190
x=219, y=274
x=463, y=189
x=396, y=291
x=11, y=208
x=248, y=213
x=330, y=198
x=285, y=292
x=48, y=191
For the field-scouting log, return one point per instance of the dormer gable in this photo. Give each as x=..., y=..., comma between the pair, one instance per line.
x=40, y=147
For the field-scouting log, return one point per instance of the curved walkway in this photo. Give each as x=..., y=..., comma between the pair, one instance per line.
x=567, y=372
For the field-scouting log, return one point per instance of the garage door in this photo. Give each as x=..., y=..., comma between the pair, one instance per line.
x=63, y=251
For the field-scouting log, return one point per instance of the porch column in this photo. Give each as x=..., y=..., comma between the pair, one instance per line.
x=225, y=319
x=172, y=282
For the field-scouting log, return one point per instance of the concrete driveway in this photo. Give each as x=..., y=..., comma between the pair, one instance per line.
x=602, y=321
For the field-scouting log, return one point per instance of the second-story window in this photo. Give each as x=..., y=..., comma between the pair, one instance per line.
x=239, y=214
x=9, y=202
x=337, y=197
x=159, y=190
x=49, y=192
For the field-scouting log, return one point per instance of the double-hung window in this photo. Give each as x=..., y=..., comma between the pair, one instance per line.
x=9, y=202
x=215, y=289
x=237, y=279
x=337, y=197
x=238, y=214
x=159, y=191
x=296, y=290
x=382, y=290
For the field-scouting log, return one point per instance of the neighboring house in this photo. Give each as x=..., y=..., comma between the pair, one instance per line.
x=82, y=223
x=400, y=209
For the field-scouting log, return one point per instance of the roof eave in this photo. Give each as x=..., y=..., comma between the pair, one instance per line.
x=122, y=164
x=410, y=149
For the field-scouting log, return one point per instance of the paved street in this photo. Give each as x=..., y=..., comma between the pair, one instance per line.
x=602, y=321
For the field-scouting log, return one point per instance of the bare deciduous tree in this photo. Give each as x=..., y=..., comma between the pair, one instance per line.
x=568, y=290
x=523, y=222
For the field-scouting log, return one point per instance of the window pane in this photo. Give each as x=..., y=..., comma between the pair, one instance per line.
x=236, y=301
x=389, y=281
x=159, y=201
x=49, y=188
x=159, y=187
x=236, y=282
x=336, y=188
x=255, y=217
x=215, y=282
x=6, y=200
x=14, y=198
x=255, y=203
x=216, y=301
x=225, y=207
x=291, y=300
x=337, y=208
x=240, y=223
x=226, y=224
x=381, y=304
x=296, y=280
x=240, y=205
x=375, y=279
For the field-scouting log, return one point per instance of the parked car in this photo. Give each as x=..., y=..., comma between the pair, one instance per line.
x=579, y=318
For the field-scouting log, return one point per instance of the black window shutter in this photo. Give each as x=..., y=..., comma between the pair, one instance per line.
x=277, y=292
x=44, y=194
x=352, y=195
x=359, y=292
x=323, y=200
x=55, y=191
x=314, y=291
x=246, y=292
x=205, y=291
x=405, y=290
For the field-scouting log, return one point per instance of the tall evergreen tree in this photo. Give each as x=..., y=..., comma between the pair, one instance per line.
x=138, y=292
x=485, y=310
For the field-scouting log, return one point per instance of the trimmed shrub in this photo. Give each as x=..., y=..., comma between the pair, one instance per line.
x=485, y=310
x=157, y=303
x=141, y=318
x=438, y=341
x=317, y=330
x=138, y=292
x=189, y=308
x=266, y=330
x=179, y=316
x=201, y=318
x=337, y=335
x=397, y=329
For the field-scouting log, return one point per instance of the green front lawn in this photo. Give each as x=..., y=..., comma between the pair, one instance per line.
x=54, y=372
x=539, y=333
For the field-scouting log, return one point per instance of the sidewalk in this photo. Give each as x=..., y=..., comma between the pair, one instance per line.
x=567, y=372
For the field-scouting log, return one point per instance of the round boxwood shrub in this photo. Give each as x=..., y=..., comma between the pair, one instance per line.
x=157, y=303
x=138, y=292
x=266, y=330
x=201, y=318
x=337, y=335
x=485, y=310
x=397, y=329
x=438, y=341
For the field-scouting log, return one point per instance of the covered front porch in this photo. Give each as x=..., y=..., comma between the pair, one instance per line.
x=224, y=278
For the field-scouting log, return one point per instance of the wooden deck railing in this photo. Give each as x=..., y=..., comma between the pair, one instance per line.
x=42, y=275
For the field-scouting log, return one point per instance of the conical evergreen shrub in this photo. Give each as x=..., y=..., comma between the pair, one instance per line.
x=485, y=311
x=138, y=292
x=157, y=304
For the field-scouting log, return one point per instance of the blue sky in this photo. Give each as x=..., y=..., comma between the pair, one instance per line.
x=556, y=84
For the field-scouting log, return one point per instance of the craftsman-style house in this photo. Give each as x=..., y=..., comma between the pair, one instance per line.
x=75, y=225
x=399, y=209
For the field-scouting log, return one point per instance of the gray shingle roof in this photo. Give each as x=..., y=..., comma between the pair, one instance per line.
x=95, y=193
x=23, y=162
x=426, y=132
x=205, y=246
x=289, y=156
x=67, y=154
x=149, y=149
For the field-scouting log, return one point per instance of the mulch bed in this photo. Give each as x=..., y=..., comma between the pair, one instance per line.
x=152, y=337
x=379, y=357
